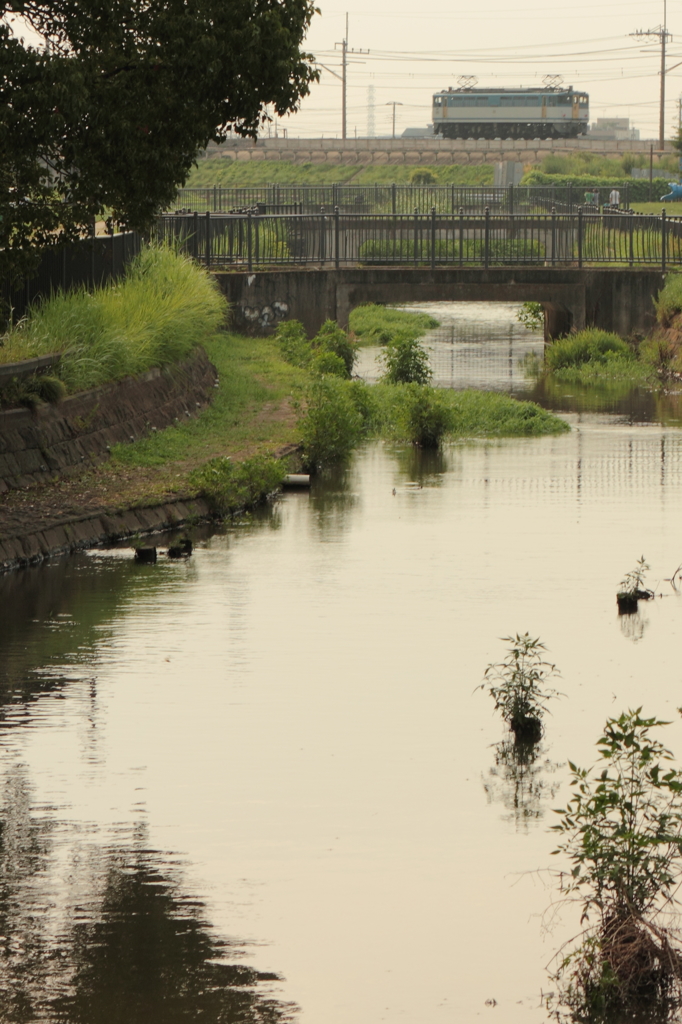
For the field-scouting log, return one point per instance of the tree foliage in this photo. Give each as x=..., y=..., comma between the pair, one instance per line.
x=110, y=110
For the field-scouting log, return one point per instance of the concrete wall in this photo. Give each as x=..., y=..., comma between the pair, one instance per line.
x=421, y=151
x=55, y=440
x=615, y=300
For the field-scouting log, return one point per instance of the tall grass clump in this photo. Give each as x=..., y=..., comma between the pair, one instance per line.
x=621, y=832
x=668, y=303
x=588, y=346
x=232, y=486
x=156, y=315
x=377, y=325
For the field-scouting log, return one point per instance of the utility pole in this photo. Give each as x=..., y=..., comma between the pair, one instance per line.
x=661, y=33
x=394, y=104
x=344, y=79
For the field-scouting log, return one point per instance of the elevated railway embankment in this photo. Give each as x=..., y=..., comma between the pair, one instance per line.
x=426, y=150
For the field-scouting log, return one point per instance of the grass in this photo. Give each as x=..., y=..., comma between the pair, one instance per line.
x=156, y=315
x=236, y=173
x=374, y=324
x=672, y=209
x=251, y=411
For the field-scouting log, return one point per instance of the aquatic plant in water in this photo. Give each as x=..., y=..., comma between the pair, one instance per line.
x=518, y=685
x=622, y=833
x=631, y=588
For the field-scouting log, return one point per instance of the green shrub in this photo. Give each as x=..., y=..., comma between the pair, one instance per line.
x=377, y=324
x=164, y=306
x=531, y=315
x=588, y=346
x=428, y=415
x=329, y=362
x=333, y=422
x=422, y=176
x=231, y=486
x=491, y=414
x=518, y=685
x=669, y=300
x=331, y=338
x=293, y=342
x=406, y=361
x=621, y=832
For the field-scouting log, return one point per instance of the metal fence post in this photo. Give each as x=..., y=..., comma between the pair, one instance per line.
x=208, y=238
x=433, y=238
x=215, y=198
x=416, y=235
x=393, y=198
x=553, y=235
x=570, y=199
x=486, y=243
x=195, y=236
x=511, y=200
x=580, y=236
x=249, y=254
x=452, y=198
x=663, y=239
x=461, y=235
x=336, y=237
x=323, y=236
x=631, y=232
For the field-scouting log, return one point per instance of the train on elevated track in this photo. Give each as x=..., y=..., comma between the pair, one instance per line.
x=472, y=113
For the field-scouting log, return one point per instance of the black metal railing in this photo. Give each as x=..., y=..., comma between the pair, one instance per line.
x=86, y=263
x=340, y=238
x=397, y=198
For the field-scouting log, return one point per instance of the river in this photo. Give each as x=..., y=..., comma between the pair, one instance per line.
x=261, y=784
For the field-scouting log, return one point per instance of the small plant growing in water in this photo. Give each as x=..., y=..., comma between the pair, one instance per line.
x=531, y=315
x=622, y=833
x=518, y=685
x=631, y=588
x=406, y=360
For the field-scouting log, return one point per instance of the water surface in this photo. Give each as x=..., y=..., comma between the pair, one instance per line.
x=261, y=783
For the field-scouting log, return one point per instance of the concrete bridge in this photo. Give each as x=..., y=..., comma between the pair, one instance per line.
x=620, y=300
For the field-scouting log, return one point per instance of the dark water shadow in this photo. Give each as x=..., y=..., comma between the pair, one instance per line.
x=630, y=404
x=116, y=939
x=520, y=781
x=633, y=626
x=424, y=467
x=333, y=500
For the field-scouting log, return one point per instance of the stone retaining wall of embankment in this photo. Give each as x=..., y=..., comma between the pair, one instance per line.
x=88, y=531
x=428, y=151
x=57, y=440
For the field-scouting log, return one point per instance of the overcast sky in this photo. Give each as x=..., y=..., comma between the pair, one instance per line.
x=417, y=48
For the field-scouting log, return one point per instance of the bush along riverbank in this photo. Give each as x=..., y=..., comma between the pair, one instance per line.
x=595, y=357
x=280, y=400
x=338, y=413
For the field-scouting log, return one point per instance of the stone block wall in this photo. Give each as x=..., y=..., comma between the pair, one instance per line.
x=56, y=440
x=364, y=152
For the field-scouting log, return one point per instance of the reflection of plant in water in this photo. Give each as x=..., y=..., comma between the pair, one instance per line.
x=423, y=466
x=518, y=781
x=633, y=626
x=622, y=834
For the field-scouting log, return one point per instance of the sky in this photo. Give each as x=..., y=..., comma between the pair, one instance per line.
x=416, y=49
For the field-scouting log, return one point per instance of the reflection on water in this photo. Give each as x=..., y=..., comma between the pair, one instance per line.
x=293, y=710
x=482, y=345
x=134, y=948
x=521, y=781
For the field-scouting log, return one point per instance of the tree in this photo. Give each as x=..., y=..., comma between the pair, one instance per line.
x=111, y=111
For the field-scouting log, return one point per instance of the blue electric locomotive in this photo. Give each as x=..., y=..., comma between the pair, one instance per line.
x=510, y=113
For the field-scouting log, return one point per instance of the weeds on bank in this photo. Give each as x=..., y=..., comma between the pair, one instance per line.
x=232, y=486
x=622, y=834
x=156, y=315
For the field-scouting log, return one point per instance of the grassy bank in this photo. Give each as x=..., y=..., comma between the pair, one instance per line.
x=374, y=324
x=156, y=315
x=222, y=171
